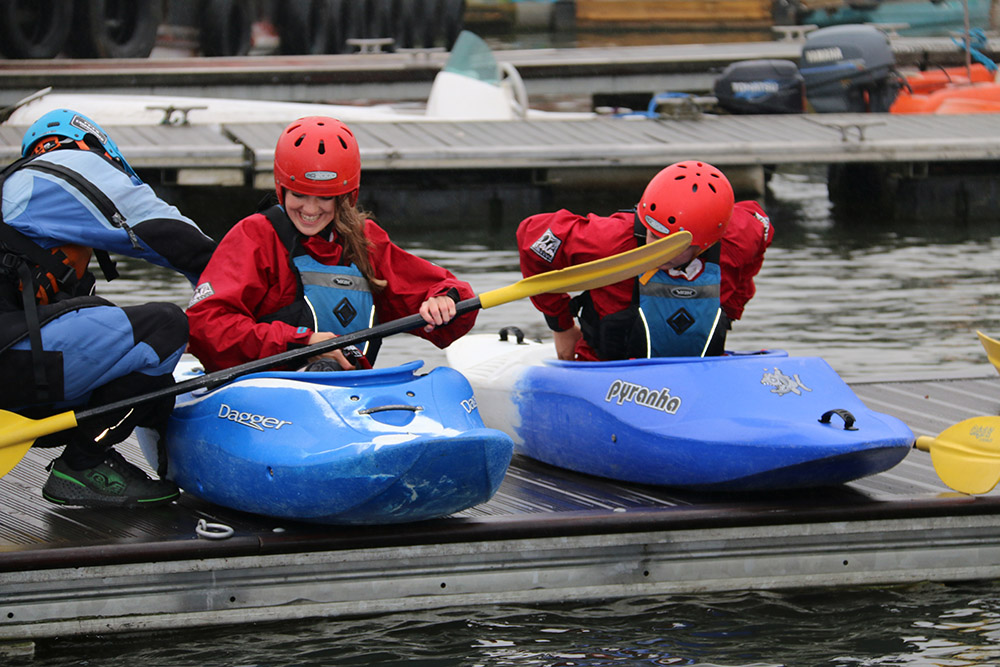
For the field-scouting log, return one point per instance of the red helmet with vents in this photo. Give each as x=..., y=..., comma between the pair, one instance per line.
x=317, y=156
x=690, y=195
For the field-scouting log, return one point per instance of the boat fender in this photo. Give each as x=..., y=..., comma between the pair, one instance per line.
x=845, y=415
x=213, y=531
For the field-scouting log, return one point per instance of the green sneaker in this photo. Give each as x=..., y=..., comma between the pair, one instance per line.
x=114, y=483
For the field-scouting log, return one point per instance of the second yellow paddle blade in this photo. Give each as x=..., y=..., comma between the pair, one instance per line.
x=992, y=348
x=966, y=456
x=11, y=455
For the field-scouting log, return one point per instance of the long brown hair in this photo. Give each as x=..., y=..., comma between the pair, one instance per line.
x=349, y=223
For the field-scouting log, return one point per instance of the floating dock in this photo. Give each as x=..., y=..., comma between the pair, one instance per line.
x=548, y=535
x=243, y=154
x=511, y=169
x=408, y=75
x=491, y=159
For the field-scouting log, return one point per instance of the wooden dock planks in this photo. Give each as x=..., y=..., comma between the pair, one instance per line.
x=741, y=14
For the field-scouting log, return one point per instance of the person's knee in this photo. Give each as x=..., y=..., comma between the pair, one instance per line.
x=162, y=326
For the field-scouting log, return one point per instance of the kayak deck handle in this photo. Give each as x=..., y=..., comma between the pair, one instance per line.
x=386, y=408
x=518, y=334
x=844, y=414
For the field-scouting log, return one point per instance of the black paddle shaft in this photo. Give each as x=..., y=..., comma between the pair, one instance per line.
x=212, y=380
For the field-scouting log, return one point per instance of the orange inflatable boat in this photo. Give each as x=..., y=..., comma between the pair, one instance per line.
x=927, y=81
x=951, y=99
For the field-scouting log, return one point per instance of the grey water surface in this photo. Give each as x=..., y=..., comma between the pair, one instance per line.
x=876, y=299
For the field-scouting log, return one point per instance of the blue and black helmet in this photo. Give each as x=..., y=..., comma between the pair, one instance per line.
x=71, y=125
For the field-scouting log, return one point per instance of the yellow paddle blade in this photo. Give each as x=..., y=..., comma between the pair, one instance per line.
x=992, y=348
x=594, y=274
x=18, y=433
x=966, y=456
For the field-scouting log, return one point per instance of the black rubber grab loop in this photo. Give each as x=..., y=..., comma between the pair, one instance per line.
x=517, y=333
x=387, y=408
x=845, y=415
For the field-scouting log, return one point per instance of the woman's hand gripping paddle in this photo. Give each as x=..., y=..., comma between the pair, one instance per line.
x=18, y=433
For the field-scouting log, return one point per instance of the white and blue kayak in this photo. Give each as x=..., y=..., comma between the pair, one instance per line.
x=348, y=447
x=740, y=422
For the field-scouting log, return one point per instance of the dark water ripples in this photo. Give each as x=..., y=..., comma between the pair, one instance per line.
x=948, y=625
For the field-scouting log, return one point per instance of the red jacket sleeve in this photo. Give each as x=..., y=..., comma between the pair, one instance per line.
x=551, y=241
x=746, y=239
x=248, y=277
x=412, y=280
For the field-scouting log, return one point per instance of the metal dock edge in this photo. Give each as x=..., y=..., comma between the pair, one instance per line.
x=548, y=535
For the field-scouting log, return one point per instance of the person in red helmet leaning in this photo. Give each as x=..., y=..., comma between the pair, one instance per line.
x=314, y=265
x=682, y=308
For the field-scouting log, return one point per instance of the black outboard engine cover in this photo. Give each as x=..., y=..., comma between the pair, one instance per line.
x=849, y=68
x=761, y=86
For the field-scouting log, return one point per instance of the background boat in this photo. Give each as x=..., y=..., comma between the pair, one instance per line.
x=472, y=85
x=908, y=17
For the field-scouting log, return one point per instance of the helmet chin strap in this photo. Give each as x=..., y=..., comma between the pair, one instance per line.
x=638, y=229
x=52, y=143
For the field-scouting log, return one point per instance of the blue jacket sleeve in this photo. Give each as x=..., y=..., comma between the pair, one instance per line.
x=73, y=196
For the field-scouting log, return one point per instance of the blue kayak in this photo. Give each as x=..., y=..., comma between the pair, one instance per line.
x=349, y=447
x=740, y=422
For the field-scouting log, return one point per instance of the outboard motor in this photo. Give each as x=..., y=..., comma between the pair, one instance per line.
x=761, y=86
x=849, y=68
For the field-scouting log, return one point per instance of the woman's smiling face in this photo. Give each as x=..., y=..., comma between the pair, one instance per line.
x=310, y=214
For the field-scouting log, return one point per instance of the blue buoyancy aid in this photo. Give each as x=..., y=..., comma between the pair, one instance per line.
x=680, y=315
x=339, y=297
x=669, y=316
x=335, y=298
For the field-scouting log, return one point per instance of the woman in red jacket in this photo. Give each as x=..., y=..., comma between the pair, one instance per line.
x=314, y=266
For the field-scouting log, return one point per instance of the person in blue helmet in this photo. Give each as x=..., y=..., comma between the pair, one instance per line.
x=70, y=197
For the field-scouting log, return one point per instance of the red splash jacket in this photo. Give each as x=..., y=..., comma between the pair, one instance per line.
x=250, y=277
x=550, y=241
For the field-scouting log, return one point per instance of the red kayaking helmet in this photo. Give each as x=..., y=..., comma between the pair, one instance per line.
x=691, y=195
x=317, y=156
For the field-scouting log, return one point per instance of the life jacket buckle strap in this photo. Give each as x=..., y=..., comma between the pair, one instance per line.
x=68, y=276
